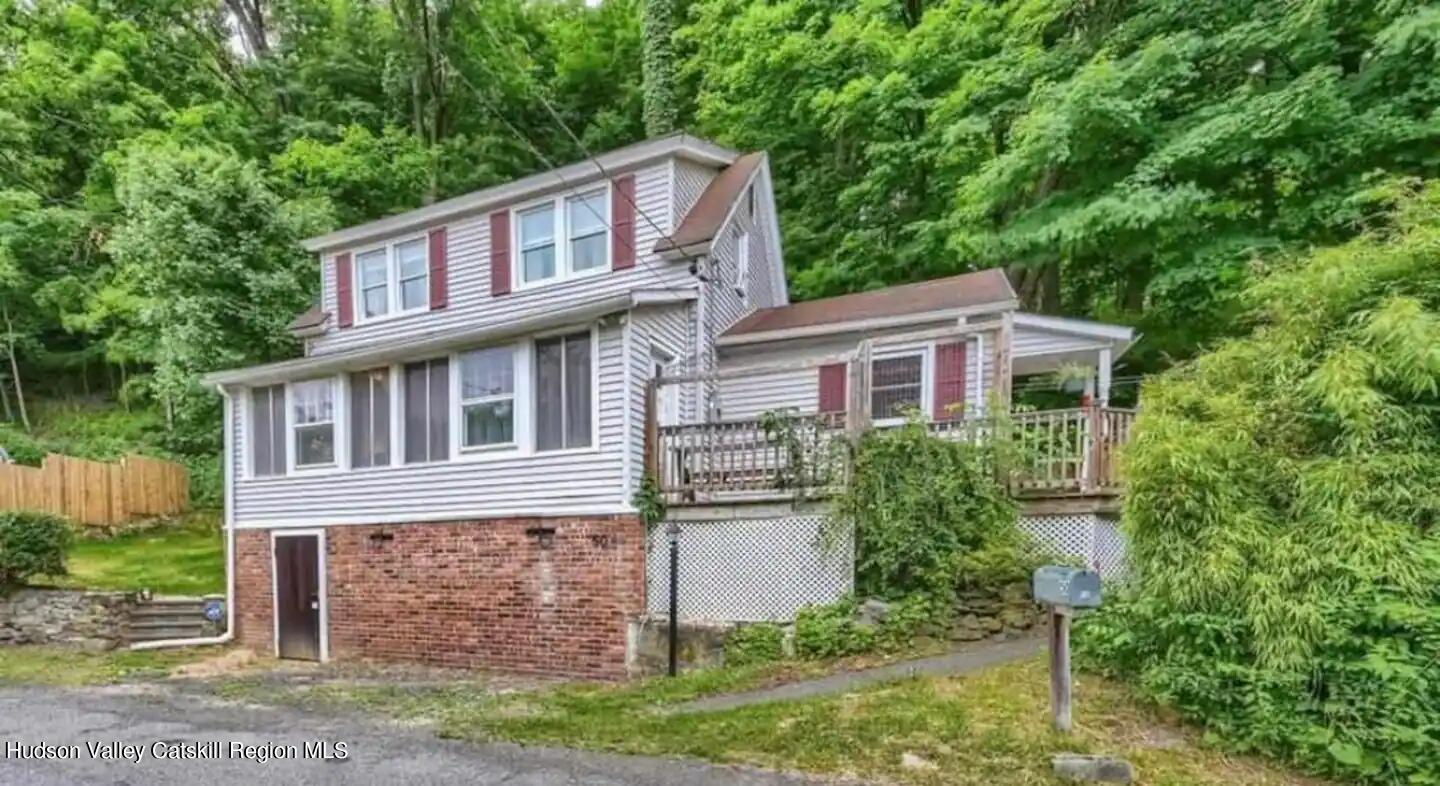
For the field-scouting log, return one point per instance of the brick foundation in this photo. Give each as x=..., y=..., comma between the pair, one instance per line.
x=495, y=593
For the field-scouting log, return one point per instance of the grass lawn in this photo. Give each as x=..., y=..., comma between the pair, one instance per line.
x=184, y=557
x=990, y=728
x=45, y=665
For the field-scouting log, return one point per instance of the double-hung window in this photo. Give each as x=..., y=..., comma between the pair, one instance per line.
x=587, y=224
x=537, y=244
x=427, y=411
x=313, y=421
x=896, y=385
x=394, y=279
x=373, y=271
x=564, y=237
x=412, y=268
x=487, y=397
x=267, y=431
x=563, y=392
x=370, y=418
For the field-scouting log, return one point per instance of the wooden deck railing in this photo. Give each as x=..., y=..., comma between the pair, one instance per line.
x=800, y=454
x=1064, y=451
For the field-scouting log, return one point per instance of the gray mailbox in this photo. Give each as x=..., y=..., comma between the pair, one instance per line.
x=1055, y=585
x=1063, y=590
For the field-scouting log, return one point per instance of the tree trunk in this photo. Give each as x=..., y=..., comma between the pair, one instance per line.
x=15, y=369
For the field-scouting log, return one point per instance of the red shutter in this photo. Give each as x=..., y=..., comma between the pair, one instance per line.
x=950, y=381
x=832, y=387
x=344, y=296
x=439, y=270
x=500, y=252
x=622, y=218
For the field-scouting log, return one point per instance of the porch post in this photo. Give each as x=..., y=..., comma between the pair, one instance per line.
x=1102, y=368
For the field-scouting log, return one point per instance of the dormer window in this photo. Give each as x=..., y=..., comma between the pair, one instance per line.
x=563, y=237
x=392, y=279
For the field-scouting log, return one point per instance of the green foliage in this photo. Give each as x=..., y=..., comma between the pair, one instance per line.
x=748, y=645
x=1282, y=515
x=918, y=504
x=31, y=544
x=649, y=501
x=106, y=433
x=830, y=631
x=1128, y=160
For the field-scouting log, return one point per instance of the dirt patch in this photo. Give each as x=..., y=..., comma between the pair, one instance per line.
x=222, y=665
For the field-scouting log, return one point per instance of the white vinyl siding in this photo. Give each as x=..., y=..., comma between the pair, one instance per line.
x=470, y=304
x=520, y=481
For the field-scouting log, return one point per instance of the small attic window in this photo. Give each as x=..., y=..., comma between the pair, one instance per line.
x=750, y=201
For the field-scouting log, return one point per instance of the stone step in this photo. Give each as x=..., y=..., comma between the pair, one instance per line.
x=160, y=634
x=167, y=611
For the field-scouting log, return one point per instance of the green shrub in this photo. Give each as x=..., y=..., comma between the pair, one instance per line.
x=1282, y=518
x=830, y=631
x=917, y=505
x=909, y=618
x=760, y=642
x=31, y=544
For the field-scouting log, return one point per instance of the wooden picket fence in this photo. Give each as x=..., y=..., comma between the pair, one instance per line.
x=96, y=493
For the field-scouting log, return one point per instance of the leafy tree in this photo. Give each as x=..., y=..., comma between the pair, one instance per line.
x=208, y=271
x=1282, y=516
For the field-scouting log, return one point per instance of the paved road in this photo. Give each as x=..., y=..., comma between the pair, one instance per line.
x=378, y=752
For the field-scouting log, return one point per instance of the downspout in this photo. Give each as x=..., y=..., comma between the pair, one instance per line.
x=228, y=439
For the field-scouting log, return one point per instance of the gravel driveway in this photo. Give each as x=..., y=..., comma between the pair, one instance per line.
x=376, y=752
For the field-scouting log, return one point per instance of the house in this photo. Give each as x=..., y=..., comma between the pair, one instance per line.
x=448, y=473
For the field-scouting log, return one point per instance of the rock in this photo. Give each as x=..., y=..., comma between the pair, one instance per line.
x=872, y=612
x=1019, y=619
x=1015, y=592
x=991, y=624
x=964, y=633
x=911, y=761
x=95, y=645
x=1080, y=768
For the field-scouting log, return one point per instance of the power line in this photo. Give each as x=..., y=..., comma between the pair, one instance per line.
x=572, y=189
x=550, y=108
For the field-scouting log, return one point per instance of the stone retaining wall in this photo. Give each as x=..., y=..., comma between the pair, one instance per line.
x=91, y=620
x=995, y=612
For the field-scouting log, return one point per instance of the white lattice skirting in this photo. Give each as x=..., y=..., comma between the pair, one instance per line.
x=750, y=570
x=1091, y=537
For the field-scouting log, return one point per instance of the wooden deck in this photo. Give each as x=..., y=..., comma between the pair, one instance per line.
x=1063, y=453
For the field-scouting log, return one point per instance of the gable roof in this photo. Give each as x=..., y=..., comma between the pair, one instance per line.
x=939, y=298
x=707, y=216
x=612, y=161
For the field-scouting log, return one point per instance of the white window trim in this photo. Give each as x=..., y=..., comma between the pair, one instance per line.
x=534, y=426
x=393, y=297
x=323, y=581
x=340, y=437
x=458, y=404
x=927, y=356
x=561, y=233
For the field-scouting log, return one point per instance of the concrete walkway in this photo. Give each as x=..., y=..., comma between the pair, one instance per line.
x=961, y=662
